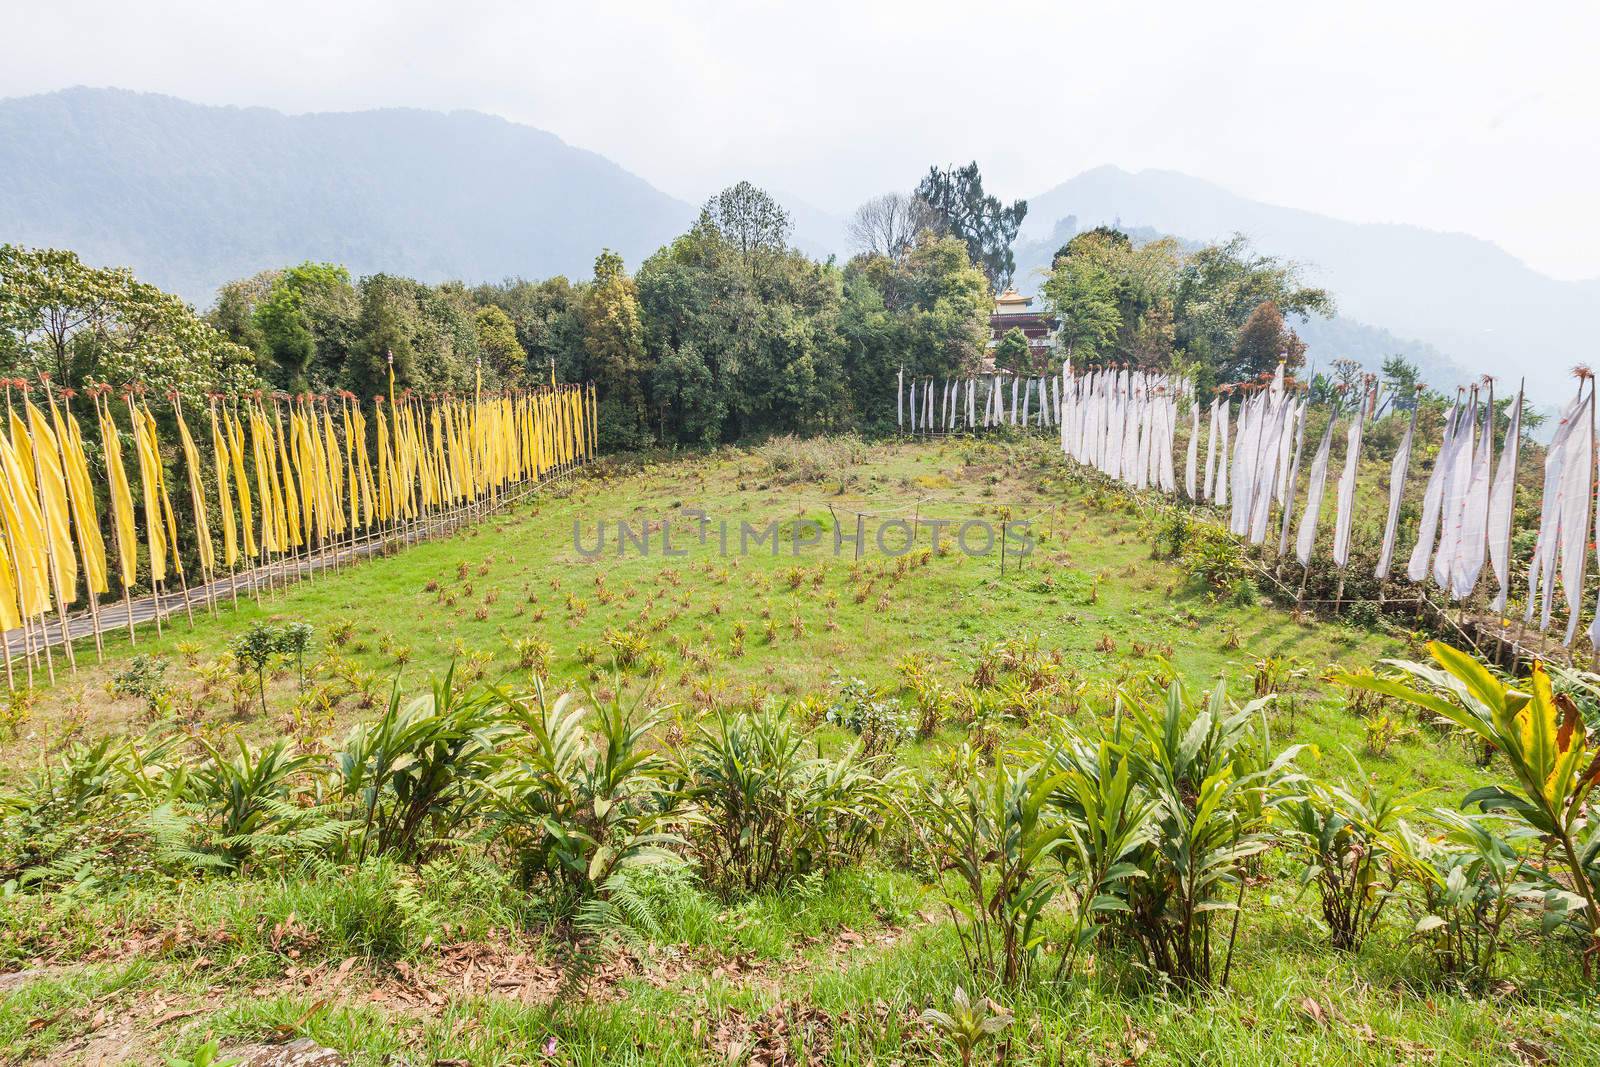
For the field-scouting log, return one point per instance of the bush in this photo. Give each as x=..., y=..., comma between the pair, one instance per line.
x=881, y=725
x=1211, y=554
x=791, y=460
x=144, y=678
x=1542, y=735
x=1342, y=834
x=576, y=809
x=769, y=814
x=1468, y=884
x=419, y=771
x=996, y=836
x=1213, y=776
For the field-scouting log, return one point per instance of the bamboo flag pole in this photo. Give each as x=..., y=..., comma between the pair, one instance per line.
x=5, y=539
x=1514, y=426
x=55, y=568
x=116, y=527
x=61, y=615
x=1588, y=510
x=223, y=459
x=83, y=548
x=235, y=428
x=6, y=486
x=172, y=528
x=29, y=649
x=1355, y=464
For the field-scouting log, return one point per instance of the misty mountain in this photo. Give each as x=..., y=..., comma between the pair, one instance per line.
x=1470, y=301
x=192, y=196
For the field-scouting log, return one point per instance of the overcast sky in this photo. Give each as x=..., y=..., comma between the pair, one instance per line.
x=1478, y=117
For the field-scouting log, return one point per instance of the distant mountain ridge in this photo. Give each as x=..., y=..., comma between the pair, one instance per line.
x=1469, y=299
x=192, y=196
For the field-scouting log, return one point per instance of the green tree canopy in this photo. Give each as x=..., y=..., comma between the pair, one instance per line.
x=957, y=206
x=613, y=339
x=82, y=324
x=1011, y=353
x=749, y=219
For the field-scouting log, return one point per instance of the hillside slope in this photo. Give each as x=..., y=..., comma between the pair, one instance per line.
x=191, y=196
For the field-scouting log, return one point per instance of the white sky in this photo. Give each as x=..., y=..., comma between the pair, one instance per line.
x=1483, y=118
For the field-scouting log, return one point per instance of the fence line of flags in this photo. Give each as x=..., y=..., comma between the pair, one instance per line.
x=1245, y=452
x=289, y=476
x=928, y=405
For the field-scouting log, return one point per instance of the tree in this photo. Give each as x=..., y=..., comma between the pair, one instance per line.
x=497, y=341
x=689, y=406
x=1100, y=235
x=287, y=334
x=1082, y=292
x=959, y=207
x=749, y=219
x=1011, y=353
x=947, y=303
x=385, y=332
x=613, y=339
x=1400, y=378
x=78, y=323
x=254, y=651
x=548, y=323
x=888, y=225
x=1262, y=342
x=233, y=315
x=1218, y=288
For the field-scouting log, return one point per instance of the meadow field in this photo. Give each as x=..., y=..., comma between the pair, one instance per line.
x=198, y=860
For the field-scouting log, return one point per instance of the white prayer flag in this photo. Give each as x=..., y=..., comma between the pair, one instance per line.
x=1397, y=488
x=1307, y=537
x=1347, y=493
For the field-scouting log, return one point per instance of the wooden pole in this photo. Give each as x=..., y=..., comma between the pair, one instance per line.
x=49, y=657
x=6, y=540
x=83, y=551
x=10, y=680
x=28, y=649
x=55, y=572
x=183, y=583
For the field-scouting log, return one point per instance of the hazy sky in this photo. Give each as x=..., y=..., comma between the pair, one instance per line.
x=1468, y=116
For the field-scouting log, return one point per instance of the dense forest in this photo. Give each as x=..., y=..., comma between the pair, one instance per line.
x=726, y=333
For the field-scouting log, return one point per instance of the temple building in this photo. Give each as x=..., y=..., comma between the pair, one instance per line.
x=1013, y=310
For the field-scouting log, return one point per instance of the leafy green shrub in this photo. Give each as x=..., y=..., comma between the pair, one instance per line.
x=575, y=809
x=248, y=801
x=1545, y=742
x=1109, y=819
x=294, y=639
x=145, y=679
x=254, y=651
x=419, y=771
x=768, y=813
x=880, y=724
x=16, y=707
x=1343, y=837
x=996, y=836
x=1469, y=883
x=1213, y=776
x=1211, y=554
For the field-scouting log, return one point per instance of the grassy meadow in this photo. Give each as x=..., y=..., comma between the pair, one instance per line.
x=445, y=955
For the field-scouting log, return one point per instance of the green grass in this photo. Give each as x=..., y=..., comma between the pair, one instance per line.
x=1090, y=583
x=838, y=968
